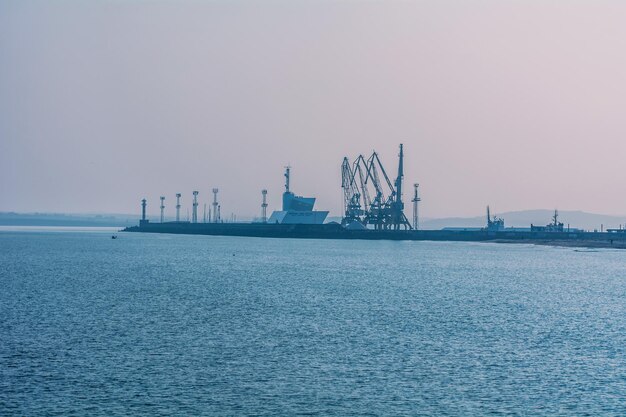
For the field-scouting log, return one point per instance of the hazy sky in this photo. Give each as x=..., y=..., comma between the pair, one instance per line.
x=519, y=104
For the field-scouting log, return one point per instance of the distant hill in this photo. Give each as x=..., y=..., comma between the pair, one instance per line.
x=576, y=219
x=57, y=219
x=524, y=218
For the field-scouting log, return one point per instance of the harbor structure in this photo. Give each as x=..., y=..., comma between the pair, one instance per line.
x=373, y=210
x=296, y=209
x=367, y=177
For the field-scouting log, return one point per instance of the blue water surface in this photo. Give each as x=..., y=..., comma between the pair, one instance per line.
x=151, y=324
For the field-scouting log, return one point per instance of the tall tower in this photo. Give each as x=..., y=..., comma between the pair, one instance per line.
x=399, y=177
x=287, y=174
x=162, y=207
x=398, y=217
x=143, y=210
x=416, y=200
x=194, y=213
x=219, y=215
x=216, y=215
x=555, y=218
x=178, y=207
x=264, y=206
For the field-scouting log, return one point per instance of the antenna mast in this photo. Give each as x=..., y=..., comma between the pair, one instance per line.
x=416, y=200
x=264, y=206
x=287, y=174
x=194, y=213
x=143, y=210
x=215, y=204
x=178, y=195
x=555, y=218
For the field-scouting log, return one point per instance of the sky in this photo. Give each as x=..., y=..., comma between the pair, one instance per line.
x=516, y=104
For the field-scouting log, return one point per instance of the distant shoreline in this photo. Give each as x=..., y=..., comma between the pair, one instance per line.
x=30, y=228
x=66, y=220
x=516, y=219
x=44, y=223
x=616, y=244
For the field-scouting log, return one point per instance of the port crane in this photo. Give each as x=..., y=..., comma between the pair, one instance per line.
x=358, y=173
x=351, y=195
x=385, y=211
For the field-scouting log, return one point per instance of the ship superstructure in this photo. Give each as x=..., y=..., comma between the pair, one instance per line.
x=296, y=209
x=494, y=224
x=555, y=226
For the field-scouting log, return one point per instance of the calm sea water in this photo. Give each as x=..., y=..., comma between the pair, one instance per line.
x=200, y=325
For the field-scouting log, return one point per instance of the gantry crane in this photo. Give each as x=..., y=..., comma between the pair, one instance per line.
x=386, y=210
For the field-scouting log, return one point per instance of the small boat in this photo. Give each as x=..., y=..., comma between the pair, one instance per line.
x=113, y=237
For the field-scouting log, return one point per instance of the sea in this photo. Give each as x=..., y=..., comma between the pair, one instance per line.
x=156, y=324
